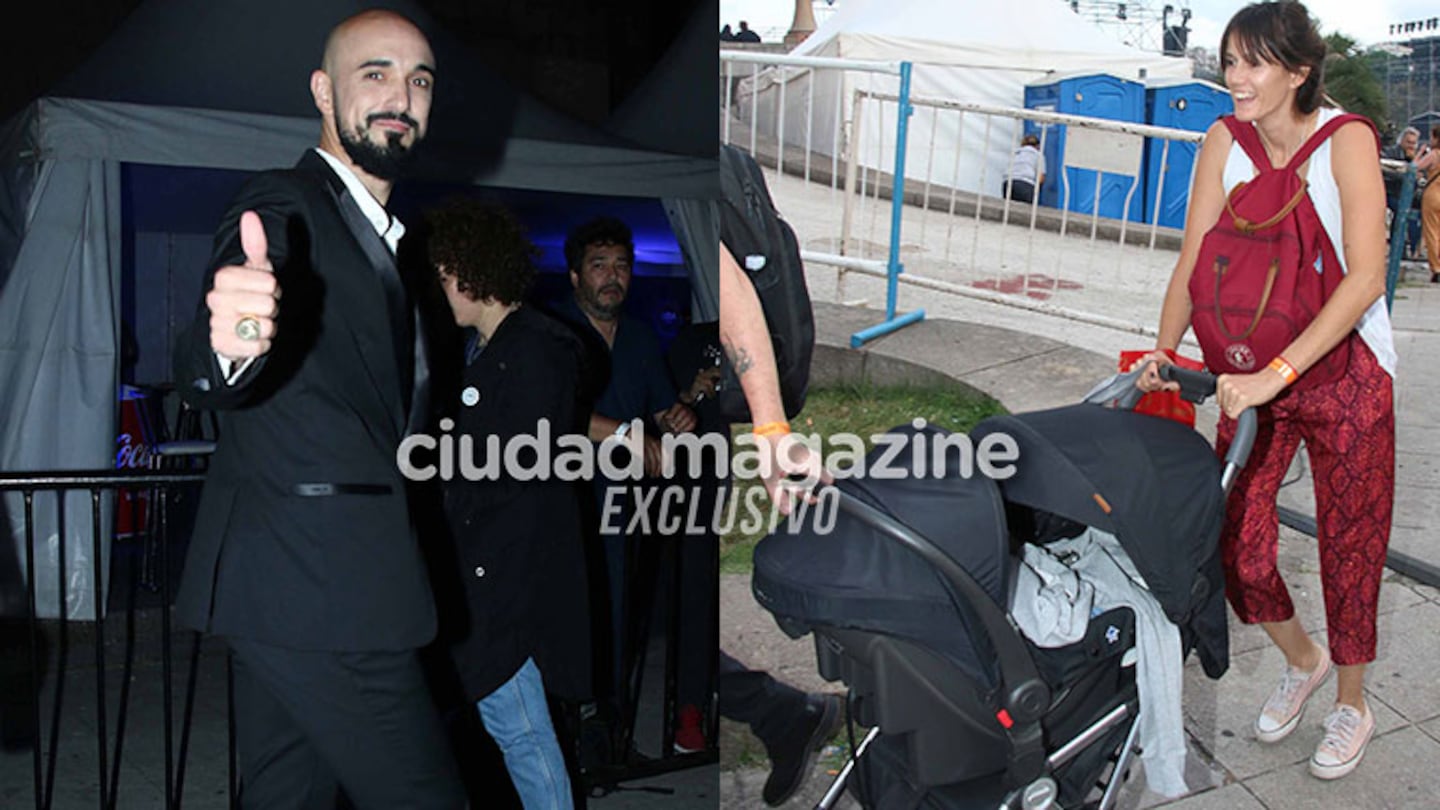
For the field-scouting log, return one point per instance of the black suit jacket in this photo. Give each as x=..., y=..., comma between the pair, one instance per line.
x=519, y=543
x=303, y=537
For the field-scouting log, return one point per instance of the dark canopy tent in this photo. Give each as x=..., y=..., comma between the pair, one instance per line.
x=158, y=93
x=684, y=85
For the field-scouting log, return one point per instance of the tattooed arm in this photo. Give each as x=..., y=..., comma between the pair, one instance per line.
x=746, y=339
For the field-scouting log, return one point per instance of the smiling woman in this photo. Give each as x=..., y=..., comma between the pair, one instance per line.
x=1274, y=63
x=1270, y=64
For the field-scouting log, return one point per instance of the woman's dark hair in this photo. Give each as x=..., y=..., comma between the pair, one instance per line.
x=1282, y=34
x=484, y=247
x=1435, y=133
x=1030, y=140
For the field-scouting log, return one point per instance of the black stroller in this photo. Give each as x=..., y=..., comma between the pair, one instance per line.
x=907, y=596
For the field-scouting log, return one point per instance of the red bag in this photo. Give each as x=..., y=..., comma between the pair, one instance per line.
x=1267, y=267
x=1165, y=404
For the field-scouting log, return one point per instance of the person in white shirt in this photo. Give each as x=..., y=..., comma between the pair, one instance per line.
x=1027, y=171
x=1274, y=61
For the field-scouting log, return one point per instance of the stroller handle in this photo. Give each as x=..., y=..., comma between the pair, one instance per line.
x=1196, y=386
x=1123, y=392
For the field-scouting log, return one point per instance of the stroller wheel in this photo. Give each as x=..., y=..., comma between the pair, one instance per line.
x=1040, y=795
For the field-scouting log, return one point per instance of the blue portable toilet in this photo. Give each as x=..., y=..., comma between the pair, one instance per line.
x=1191, y=104
x=1095, y=95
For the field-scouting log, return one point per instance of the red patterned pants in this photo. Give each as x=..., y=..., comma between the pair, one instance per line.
x=1349, y=432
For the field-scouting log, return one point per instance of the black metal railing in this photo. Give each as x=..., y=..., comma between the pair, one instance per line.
x=154, y=541
x=154, y=535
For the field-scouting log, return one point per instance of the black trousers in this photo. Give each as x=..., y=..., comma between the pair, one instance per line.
x=752, y=697
x=309, y=723
x=1020, y=190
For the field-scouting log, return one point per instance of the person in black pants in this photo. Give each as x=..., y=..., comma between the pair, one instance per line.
x=303, y=556
x=793, y=725
x=1027, y=171
x=1405, y=149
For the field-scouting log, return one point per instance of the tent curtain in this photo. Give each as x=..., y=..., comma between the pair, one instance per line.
x=696, y=224
x=59, y=336
x=17, y=182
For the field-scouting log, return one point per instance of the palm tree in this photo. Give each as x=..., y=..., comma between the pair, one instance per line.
x=1350, y=79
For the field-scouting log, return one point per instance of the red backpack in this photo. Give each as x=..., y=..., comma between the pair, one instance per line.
x=1267, y=267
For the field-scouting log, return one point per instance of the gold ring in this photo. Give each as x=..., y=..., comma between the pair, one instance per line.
x=248, y=328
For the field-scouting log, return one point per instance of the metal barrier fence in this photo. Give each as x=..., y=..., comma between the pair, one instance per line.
x=958, y=232
x=47, y=758
x=827, y=142
x=1402, y=215
x=1069, y=260
x=54, y=745
x=1097, y=245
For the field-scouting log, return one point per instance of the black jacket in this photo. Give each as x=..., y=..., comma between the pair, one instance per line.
x=518, y=543
x=303, y=537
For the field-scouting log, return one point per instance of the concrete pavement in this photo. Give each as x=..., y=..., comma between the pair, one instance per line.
x=1228, y=768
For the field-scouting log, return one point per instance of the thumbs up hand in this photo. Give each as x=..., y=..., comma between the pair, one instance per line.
x=245, y=299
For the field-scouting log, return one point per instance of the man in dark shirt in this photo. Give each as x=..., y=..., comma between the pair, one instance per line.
x=1404, y=149
x=600, y=255
x=745, y=34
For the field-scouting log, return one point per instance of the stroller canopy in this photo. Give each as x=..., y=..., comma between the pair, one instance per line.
x=857, y=578
x=1151, y=482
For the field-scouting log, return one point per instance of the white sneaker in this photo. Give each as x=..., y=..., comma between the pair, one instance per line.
x=1347, y=732
x=1286, y=705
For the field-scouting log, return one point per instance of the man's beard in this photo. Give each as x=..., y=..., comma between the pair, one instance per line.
x=386, y=162
x=605, y=312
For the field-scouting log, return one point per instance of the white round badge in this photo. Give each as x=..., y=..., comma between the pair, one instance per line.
x=470, y=396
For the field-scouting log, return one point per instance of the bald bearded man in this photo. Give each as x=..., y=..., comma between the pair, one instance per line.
x=303, y=557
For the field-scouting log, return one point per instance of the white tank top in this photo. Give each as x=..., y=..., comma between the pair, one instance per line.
x=1374, y=325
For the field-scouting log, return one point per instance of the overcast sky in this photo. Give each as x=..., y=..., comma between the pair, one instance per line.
x=1367, y=21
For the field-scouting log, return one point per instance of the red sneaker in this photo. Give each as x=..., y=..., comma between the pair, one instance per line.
x=689, y=738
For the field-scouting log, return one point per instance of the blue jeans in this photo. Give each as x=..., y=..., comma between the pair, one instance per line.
x=519, y=721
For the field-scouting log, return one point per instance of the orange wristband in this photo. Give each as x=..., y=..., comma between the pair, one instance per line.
x=772, y=429
x=1282, y=367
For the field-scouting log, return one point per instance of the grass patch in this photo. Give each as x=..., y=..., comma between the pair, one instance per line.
x=864, y=410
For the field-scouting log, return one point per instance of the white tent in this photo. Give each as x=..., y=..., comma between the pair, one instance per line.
x=203, y=85
x=962, y=50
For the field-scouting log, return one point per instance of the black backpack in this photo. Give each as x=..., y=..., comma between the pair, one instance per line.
x=766, y=248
